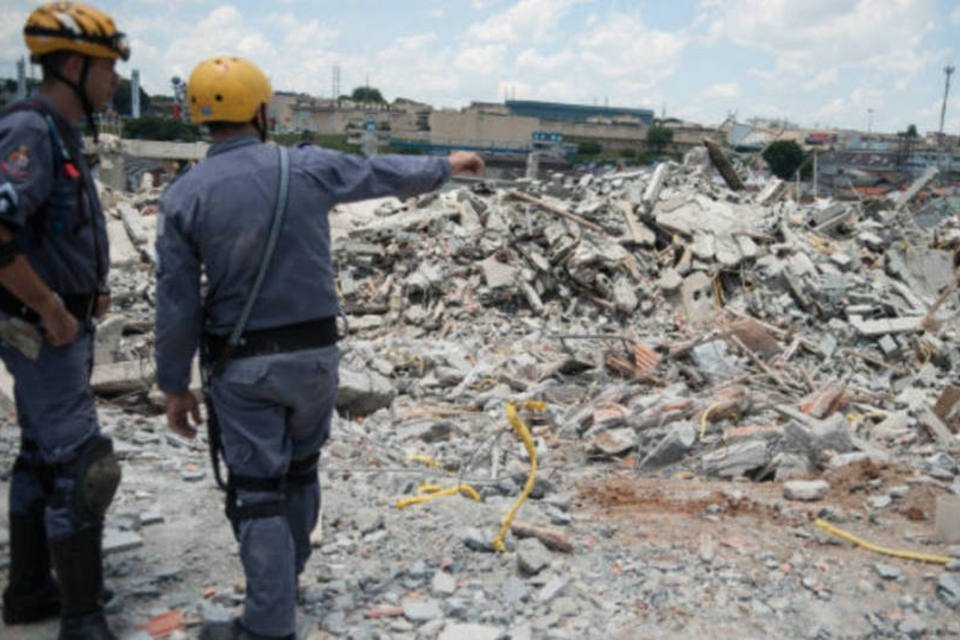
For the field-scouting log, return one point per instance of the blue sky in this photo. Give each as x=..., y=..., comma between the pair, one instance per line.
x=816, y=62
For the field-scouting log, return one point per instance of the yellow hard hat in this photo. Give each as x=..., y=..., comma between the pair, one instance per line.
x=72, y=26
x=227, y=89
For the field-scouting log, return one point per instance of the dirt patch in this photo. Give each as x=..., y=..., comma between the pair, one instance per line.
x=856, y=478
x=851, y=485
x=644, y=500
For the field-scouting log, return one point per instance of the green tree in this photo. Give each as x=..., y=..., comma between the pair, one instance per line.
x=659, y=137
x=589, y=148
x=784, y=157
x=121, y=99
x=161, y=128
x=367, y=94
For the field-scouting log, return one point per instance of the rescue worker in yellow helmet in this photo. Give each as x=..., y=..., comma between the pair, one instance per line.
x=53, y=282
x=257, y=213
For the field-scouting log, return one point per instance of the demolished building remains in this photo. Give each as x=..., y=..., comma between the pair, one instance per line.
x=679, y=329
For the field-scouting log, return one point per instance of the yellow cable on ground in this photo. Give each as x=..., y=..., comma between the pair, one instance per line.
x=524, y=434
x=425, y=459
x=438, y=493
x=703, y=419
x=897, y=553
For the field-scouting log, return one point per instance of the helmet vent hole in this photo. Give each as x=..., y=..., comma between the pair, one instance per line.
x=218, y=98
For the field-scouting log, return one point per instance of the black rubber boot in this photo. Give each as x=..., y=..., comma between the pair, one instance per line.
x=32, y=594
x=78, y=561
x=232, y=630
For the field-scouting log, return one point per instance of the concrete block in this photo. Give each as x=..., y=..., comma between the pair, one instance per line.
x=122, y=251
x=696, y=294
x=885, y=325
x=497, y=274
x=805, y=491
x=123, y=377
x=947, y=519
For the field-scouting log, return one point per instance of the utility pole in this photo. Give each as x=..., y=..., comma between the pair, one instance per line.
x=135, y=93
x=21, y=79
x=948, y=70
x=869, y=120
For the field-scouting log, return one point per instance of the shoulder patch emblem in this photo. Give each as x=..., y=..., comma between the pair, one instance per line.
x=17, y=164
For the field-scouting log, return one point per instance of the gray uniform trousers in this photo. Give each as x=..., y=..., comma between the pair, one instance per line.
x=274, y=409
x=57, y=414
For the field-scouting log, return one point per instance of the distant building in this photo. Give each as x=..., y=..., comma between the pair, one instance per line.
x=559, y=112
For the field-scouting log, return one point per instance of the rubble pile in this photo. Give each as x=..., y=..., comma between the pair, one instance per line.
x=674, y=327
x=662, y=315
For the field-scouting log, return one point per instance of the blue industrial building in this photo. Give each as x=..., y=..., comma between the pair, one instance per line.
x=558, y=111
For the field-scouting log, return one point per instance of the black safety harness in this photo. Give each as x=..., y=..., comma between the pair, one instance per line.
x=218, y=350
x=80, y=305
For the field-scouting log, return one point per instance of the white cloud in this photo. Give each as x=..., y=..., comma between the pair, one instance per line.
x=483, y=60
x=621, y=46
x=955, y=16
x=811, y=37
x=723, y=91
x=526, y=21
x=532, y=61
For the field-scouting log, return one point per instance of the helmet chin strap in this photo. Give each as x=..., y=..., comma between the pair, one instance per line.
x=79, y=88
x=260, y=122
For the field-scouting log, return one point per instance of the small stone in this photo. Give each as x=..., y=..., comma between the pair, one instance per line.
x=948, y=590
x=532, y=556
x=461, y=631
x=898, y=492
x=475, y=540
x=115, y=541
x=805, y=490
x=443, y=584
x=887, y=571
x=514, y=592
x=192, y=473
x=880, y=502
x=564, y=607
x=552, y=589
x=421, y=610
x=913, y=627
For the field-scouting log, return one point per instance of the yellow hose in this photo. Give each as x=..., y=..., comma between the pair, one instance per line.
x=703, y=419
x=432, y=492
x=897, y=553
x=425, y=459
x=521, y=429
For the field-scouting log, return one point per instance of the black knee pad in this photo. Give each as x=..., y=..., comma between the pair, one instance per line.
x=96, y=474
x=237, y=512
x=303, y=471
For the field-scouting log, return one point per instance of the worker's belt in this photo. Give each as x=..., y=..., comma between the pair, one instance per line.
x=80, y=305
x=312, y=334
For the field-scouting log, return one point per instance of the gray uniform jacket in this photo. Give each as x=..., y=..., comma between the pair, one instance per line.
x=218, y=215
x=58, y=226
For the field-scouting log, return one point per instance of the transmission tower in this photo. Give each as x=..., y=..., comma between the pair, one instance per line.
x=948, y=70
x=335, y=87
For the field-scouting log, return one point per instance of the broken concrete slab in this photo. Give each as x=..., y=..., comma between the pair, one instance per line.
x=736, y=460
x=873, y=328
x=672, y=447
x=123, y=377
x=361, y=393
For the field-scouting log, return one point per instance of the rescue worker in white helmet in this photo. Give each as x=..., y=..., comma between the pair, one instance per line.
x=254, y=218
x=53, y=283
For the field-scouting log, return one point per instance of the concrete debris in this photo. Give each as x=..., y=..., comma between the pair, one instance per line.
x=682, y=333
x=805, y=491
